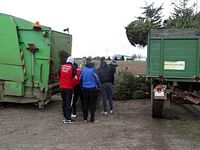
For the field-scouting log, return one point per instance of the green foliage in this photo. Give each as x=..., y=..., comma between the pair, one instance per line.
x=184, y=16
x=196, y=22
x=123, y=86
x=128, y=86
x=140, y=87
x=152, y=15
x=137, y=31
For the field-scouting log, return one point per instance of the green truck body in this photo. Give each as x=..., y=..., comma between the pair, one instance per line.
x=173, y=66
x=29, y=60
x=174, y=54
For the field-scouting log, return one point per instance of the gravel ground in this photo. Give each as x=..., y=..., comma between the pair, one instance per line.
x=24, y=126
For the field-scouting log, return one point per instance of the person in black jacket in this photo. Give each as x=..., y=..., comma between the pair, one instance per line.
x=106, y=77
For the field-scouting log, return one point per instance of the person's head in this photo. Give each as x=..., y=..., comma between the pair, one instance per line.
x=88, y=60
x=103, y=64
x=102, y=59
x=75, y=65
x=84, y=60
x=70, y=59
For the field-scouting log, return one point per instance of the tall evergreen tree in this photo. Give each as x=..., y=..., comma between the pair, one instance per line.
x=137, y=30
x=184, y=16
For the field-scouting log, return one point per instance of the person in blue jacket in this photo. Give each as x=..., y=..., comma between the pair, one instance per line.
x=90, y=84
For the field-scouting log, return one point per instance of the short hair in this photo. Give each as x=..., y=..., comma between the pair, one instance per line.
x=75, y=65
x=102, y=59
x=88, y=60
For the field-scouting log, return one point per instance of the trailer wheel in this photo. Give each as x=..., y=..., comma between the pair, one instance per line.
x=157, y=108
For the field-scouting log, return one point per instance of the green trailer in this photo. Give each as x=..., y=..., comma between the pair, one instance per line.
x=29, y=60
x=173, y=67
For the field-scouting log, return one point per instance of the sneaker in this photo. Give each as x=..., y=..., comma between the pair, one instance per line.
x=73, y=116
x=64, y=119
x=85, y=121
x=95, y=121
x=105, y=113
x=67, y=121
x=111, y=111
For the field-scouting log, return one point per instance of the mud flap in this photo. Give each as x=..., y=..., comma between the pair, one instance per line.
x=158, y=98
x=157, y=108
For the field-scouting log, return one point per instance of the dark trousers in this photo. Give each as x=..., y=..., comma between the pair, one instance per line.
x=77, y=94
x=107, y=93
x=67, y=102
x=90, y=101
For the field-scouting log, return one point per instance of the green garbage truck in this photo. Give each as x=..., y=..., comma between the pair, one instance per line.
x=173, y=67
x=29, y=60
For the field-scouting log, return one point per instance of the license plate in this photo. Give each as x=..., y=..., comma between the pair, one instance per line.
x=159, y=93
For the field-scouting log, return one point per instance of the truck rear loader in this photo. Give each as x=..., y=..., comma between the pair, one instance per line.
x=29, y=60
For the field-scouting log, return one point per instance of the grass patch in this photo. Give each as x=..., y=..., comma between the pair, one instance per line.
x=190, y=127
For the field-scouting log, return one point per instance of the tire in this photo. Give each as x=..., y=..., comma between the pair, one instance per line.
x=157, y=108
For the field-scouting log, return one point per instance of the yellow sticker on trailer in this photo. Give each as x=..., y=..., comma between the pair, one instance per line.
x=174, y=65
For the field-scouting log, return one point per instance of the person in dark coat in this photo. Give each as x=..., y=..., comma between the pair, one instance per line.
x=106, y=76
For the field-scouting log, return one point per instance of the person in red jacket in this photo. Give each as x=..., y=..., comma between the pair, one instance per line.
x=68, y=80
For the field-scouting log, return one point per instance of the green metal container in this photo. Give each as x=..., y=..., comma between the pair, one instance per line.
x=173, y=67
x=29, y=60
x=174, y=54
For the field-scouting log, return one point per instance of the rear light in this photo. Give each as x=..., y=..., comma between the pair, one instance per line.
x=31, y=47
x=158, y=89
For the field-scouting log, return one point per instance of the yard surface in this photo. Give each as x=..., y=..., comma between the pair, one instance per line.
x=131, y=127
x=135, y=67
x=25, y=127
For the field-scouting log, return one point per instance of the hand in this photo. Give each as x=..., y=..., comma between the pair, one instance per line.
x=76, y=77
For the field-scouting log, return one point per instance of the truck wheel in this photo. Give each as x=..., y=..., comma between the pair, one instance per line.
x=157, y=108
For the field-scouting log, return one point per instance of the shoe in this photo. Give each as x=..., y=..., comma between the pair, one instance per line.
x=95, y=121
x=111, y=111
x=64, y=119
x=73, y=116
x=105, y=113
x=85, y=121
x=67, y=121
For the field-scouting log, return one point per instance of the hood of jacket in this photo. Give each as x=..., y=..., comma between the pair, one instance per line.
x=91, y=65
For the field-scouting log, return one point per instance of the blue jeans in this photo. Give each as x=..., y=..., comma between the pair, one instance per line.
x=107, y=93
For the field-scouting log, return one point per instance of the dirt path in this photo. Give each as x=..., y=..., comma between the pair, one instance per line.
x=130, y=127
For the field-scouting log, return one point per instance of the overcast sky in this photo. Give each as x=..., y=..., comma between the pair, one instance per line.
x=97, y=26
